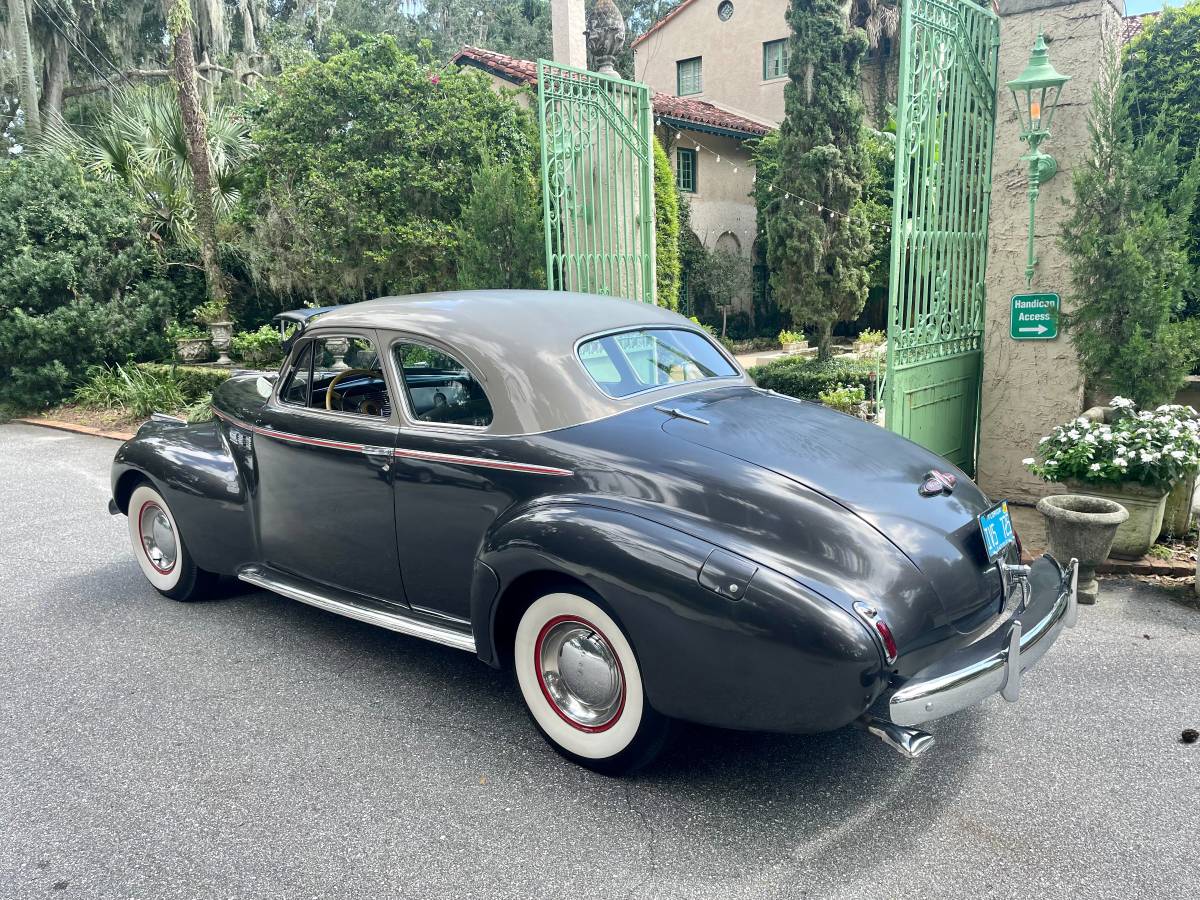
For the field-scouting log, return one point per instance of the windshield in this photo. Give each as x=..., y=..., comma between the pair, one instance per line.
x=632, y=361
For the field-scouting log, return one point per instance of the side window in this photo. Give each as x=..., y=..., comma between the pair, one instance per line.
x=340, y=374
x=347, y=377
x=440, y=388
x=295, y=389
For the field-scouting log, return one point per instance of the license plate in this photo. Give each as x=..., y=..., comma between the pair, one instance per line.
x=997, y=529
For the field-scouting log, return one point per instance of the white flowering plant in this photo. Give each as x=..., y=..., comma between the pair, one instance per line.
x=1152, y=448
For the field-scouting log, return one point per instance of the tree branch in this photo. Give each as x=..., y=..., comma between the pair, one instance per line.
x=131, y=74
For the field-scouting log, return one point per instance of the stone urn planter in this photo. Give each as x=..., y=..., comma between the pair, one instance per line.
x=192, y=350
x=222, y=337
x=1177, y=517
x=1145, y=504
x=1083, y=528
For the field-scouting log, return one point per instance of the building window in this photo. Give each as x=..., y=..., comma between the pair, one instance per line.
x=775, y=59
x=685, y=170
x=689, y=76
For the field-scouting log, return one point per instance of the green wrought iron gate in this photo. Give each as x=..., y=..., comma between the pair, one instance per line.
x=597, y=182
x=945, y=123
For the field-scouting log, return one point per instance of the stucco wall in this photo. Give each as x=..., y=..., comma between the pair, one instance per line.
x=1030, y=386
x=722, y=201
x=732, y=53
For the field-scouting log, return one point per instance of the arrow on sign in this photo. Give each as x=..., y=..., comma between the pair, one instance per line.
x=1040, y=329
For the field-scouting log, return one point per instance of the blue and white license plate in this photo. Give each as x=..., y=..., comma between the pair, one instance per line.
x=998, y=534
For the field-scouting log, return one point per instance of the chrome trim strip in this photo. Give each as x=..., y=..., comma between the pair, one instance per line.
x=998, y=672
x=455, y=460
x=390, y=621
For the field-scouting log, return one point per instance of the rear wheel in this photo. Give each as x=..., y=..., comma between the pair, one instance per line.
x=160, y=549
x=583, y=687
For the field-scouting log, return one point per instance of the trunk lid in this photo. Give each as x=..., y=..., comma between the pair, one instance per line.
x=871, y=472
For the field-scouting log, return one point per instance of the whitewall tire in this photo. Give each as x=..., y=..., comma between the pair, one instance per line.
x=582, y=685
x=160, y=549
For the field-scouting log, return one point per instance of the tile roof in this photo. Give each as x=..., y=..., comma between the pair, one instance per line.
x=681, y=112
x=1131, y=26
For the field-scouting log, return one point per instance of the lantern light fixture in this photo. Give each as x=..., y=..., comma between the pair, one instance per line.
x=1035, y=92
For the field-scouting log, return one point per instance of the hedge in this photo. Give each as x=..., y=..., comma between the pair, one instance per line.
x=805, y=378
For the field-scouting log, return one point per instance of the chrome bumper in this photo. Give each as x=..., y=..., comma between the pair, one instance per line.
x=995, y=663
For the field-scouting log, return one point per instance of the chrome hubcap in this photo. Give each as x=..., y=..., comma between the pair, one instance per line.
x=158, y=538
x=580, y=673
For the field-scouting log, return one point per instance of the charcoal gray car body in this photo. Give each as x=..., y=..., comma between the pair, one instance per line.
x=746, y=544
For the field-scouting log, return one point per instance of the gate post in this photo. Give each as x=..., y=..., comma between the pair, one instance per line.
x=1030, y=386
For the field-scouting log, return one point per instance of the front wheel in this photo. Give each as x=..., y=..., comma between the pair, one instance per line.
x=160, y=549
x=582, y=686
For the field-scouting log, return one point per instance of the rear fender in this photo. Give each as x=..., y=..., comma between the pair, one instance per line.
x=779, y=658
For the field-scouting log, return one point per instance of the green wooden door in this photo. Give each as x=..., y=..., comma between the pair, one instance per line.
x=944, y=130
x=597, y=182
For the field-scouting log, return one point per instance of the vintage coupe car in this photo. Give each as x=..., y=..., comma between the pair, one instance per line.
x=591, y=492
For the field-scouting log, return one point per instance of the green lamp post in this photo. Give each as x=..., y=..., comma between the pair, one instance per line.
x=1035, y=92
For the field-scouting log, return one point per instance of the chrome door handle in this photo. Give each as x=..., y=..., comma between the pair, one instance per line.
x=381, y=456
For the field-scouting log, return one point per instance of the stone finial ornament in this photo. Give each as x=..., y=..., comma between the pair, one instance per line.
x=605, y=35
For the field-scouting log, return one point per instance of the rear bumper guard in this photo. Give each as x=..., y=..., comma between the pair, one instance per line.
x=996, y=663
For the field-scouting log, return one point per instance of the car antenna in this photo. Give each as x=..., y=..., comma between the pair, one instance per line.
x=680, y=414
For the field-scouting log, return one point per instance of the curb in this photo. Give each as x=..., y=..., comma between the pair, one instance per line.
x=76, y=429
x=1171, y=568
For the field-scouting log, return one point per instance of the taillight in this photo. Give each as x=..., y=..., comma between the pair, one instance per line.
x=871, y=615
x=889, y=642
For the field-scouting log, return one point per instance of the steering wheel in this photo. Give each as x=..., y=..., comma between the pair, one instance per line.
x=346, y=373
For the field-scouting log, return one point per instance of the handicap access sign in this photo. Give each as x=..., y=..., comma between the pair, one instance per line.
x=1034, y=317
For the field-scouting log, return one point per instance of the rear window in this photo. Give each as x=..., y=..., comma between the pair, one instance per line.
x=632, y=361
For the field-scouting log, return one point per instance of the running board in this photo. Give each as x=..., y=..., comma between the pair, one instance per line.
x=292, y=588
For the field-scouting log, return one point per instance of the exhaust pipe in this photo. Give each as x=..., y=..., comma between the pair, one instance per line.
x=908, y=742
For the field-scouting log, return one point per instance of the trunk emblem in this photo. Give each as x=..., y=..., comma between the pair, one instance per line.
x=937, y=483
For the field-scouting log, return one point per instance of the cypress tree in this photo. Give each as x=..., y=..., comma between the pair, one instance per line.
x=818, y=245
x=666, y=230
x=1127, y=243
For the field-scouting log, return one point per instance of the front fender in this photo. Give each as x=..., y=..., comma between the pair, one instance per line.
x=194, y=469
x=780, y=658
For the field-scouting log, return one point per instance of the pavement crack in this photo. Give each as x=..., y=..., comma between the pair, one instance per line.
x=651, y=864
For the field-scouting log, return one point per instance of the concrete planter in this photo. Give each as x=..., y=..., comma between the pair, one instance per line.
x=1177, y=518
x=1146, y=506
x=795, y=347
x=1082, y=527
x=222, y=337
x=193, y=349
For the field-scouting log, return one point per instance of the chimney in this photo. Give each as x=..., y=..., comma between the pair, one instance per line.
x=567, y=23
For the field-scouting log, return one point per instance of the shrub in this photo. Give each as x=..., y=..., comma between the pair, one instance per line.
x=1157, y=447
x=502, y=244
x=261, y=346
x=1127, y=244
x=666, y=230
x=364, y=164
x=872, y=337
x=791, y=337
x=80, y=284
x=807, y=378
x=129, y=387
x=194, y=381
x=844, y=398
x=141, y=389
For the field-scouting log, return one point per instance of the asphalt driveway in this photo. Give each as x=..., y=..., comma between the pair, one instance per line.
x=255, y=747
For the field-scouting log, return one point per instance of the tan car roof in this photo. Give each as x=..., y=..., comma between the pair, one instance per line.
x=522, y=344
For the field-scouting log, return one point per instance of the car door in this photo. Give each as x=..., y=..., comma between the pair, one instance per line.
x=448, y=487
x=324, y=452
